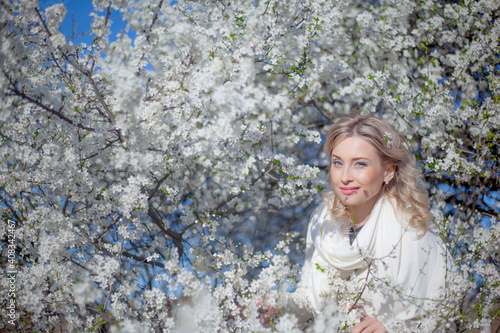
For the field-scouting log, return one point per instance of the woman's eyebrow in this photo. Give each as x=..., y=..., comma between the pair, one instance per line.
x=354, y=158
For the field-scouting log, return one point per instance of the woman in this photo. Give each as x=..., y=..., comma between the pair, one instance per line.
x=368, y=246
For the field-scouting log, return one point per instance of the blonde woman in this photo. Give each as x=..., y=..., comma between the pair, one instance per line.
x=371, y=233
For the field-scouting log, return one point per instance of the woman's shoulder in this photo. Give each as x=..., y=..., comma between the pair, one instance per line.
x=427, y=238
x=403, y=216
x=432, y=237
x=321, y=214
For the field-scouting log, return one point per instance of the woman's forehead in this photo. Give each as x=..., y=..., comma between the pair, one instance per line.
x=354, y=146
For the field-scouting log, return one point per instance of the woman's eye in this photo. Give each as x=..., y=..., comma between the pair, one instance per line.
x=363, y=164
x=336, y=163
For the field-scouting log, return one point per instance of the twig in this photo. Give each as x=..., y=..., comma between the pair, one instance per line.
x=153, y=191
x=21, y=94
x=177, y=237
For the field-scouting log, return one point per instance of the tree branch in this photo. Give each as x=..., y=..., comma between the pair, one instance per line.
x=177, y=237
x=153, y=191
x=21, y=94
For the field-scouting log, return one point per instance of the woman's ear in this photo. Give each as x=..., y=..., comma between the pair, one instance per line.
x=390, y=171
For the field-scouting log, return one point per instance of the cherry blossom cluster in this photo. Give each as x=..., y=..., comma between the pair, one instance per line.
x=161, y=179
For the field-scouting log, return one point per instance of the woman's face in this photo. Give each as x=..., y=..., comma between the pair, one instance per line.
x=357, y=175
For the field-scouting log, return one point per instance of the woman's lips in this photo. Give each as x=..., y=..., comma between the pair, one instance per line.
x=349, y=190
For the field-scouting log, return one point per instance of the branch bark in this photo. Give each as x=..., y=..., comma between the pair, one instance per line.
x=15, y=90
x=176, y=236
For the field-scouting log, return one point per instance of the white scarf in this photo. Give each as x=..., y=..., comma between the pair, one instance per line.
x=415, y=266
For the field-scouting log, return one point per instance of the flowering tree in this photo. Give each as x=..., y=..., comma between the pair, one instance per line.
x=163, y=182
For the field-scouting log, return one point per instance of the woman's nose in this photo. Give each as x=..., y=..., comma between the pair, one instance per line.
x=346, y=175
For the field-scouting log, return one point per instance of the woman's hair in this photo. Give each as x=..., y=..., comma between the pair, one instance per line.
x=393, y=148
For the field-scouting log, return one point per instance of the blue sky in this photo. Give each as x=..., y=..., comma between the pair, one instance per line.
x=78, y=19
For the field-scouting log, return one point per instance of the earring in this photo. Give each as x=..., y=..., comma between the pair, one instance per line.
x=386, y=182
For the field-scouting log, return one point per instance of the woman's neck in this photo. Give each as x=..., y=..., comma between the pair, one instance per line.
x=358, y=219
x=359, y=215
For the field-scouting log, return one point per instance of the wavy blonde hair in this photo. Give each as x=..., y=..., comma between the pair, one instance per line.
x=393, y=148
